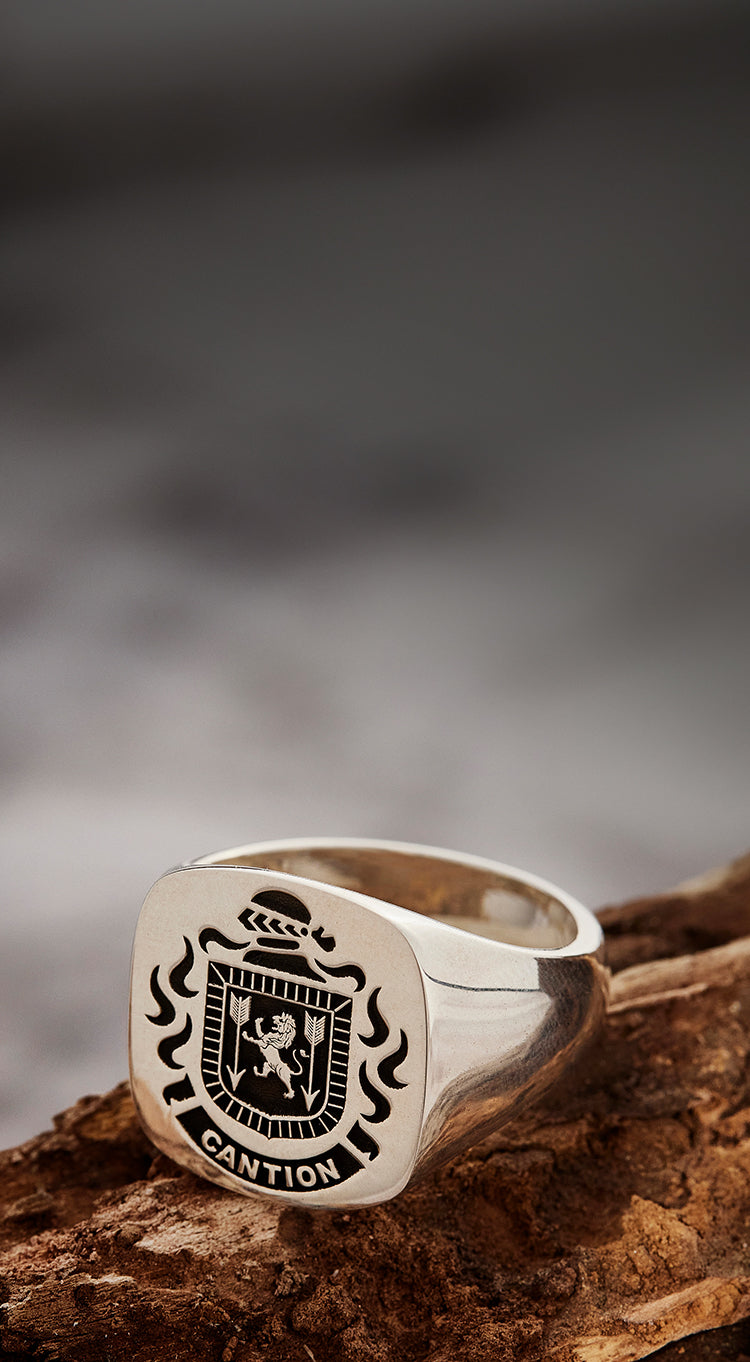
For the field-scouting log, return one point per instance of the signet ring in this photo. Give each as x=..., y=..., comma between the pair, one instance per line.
x=322, y=1021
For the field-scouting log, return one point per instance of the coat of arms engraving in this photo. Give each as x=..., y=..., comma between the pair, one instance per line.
x=275, y=1051
x=274, y=1013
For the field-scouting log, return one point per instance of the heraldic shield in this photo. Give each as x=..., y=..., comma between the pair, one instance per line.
x=275, y=1052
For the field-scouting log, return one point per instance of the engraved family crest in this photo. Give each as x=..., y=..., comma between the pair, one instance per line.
x=291, y=1044
x=275, y=1051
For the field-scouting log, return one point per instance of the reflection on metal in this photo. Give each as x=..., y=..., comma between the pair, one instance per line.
x=294, y=1030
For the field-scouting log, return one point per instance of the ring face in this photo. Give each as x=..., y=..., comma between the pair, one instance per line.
x=277, y=1036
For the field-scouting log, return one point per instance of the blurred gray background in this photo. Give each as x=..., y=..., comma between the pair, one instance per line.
x=375, y=433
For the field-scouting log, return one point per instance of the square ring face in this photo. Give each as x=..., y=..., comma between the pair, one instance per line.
x=277, y=1036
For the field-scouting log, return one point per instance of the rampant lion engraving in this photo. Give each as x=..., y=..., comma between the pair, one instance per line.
x=280, y=1037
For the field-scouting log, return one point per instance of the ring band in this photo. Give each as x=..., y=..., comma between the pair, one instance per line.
x=323, y=1020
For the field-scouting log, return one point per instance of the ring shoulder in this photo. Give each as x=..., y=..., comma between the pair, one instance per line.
x=493, y=1051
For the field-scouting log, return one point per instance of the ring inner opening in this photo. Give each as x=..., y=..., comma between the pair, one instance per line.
x=459, y=895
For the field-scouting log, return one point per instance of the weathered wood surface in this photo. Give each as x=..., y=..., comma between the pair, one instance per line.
x=600, y=1228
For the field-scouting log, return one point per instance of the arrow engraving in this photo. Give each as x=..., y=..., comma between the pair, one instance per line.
x=314, y=1032
x=239, y=1011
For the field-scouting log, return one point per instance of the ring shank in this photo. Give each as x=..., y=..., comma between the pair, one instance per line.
x=462, y=892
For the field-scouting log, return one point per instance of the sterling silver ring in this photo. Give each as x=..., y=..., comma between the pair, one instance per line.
x=322, y=1021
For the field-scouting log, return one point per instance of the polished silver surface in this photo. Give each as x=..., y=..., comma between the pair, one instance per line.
x=322, y=1020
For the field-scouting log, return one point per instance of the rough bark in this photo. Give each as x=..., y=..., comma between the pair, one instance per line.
x=601, y=1227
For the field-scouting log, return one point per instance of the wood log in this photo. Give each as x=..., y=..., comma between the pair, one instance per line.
x=607, y=1224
